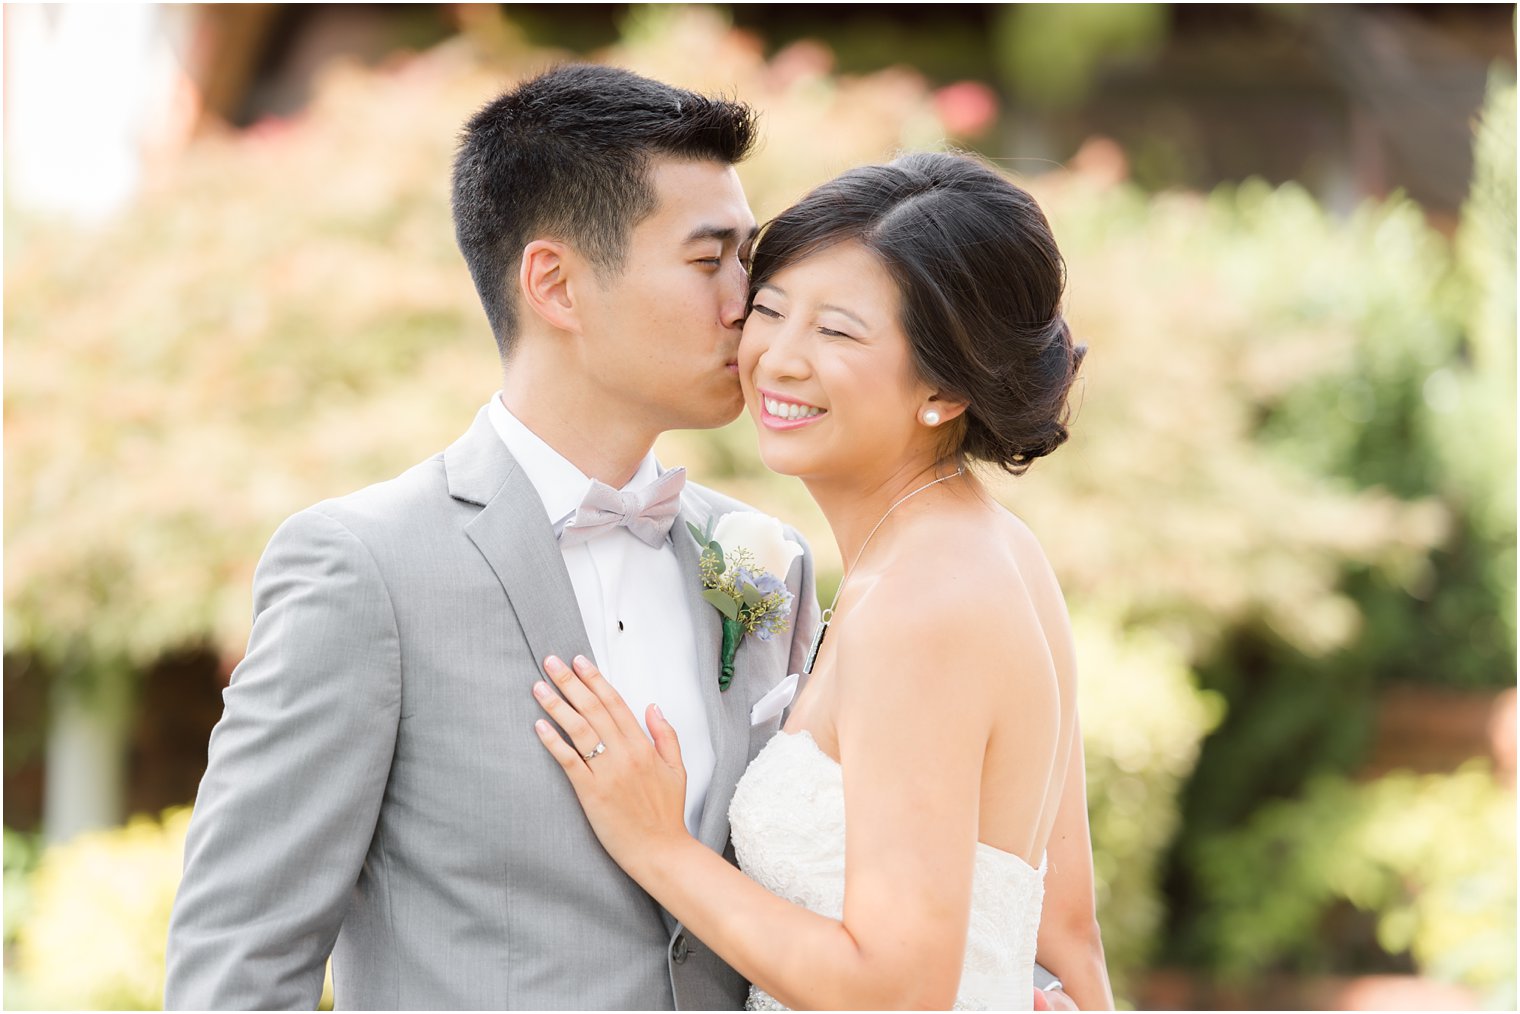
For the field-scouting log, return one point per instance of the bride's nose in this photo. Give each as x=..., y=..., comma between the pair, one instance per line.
x=783, y=354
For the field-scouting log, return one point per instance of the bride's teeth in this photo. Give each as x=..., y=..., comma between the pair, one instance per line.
x=790, y=410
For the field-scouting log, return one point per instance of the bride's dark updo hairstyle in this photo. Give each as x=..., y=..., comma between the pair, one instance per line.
x=981, y=282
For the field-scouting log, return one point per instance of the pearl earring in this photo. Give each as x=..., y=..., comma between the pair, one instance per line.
x=931, y=417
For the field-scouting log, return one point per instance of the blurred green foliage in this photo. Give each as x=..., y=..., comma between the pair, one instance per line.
x=1421, y=403
x=1142, y=721
x=21, y=854
x=1478, y=396
x=1424, y=853
x=1049, y=53
x=1173, y=505
x=1291, y=474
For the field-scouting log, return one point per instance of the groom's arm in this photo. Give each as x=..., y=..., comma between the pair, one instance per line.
x=296, y=771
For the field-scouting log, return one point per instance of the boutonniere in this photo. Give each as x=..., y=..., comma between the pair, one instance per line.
x=744, y=561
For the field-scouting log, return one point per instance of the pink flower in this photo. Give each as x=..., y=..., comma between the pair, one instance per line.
x=966, y=108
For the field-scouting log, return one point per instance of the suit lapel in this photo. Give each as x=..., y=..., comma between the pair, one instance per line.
x=516, y=540
x=727, y=718
x=518, y=543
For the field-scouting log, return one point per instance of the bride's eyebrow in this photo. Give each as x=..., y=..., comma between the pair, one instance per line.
x=772, y=286
x=845, y=313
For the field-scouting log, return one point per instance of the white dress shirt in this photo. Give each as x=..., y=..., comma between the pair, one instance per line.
x=633, y=602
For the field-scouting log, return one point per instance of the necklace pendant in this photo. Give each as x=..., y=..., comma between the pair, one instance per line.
x=812, y=656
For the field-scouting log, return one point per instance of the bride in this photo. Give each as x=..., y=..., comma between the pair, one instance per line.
x=898, y=835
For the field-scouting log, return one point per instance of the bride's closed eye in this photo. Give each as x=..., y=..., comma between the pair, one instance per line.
x=764, y=311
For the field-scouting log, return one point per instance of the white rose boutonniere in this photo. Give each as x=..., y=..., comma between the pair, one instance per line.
x=745, y=558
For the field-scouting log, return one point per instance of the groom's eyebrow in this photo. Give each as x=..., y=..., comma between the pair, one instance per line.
x=722, y=233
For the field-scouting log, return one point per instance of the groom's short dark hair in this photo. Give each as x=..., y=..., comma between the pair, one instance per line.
x=567, y=155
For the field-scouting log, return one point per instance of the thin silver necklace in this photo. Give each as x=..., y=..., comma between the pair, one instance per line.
x=828, y=614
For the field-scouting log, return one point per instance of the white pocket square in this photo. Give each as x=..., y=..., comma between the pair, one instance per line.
x=775, y=702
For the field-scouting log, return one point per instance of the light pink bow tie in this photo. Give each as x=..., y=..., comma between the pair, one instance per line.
x=648, y=513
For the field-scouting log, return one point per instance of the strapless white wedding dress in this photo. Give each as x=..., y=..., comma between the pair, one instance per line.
x=787, y=822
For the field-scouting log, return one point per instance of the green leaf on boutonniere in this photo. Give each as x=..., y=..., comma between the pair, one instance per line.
x=724, y=603
x=717, y=552
x=696, y=533
x=751, y=595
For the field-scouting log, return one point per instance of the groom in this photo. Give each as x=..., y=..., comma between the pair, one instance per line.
x=374, y=788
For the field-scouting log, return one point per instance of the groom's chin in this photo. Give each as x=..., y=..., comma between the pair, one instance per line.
x=699, y=417
x=719, y=413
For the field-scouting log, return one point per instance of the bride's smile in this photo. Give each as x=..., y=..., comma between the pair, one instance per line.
x=784, y=413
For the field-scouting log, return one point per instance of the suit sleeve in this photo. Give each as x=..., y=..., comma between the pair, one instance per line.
x=296, y=771
x=805, y=616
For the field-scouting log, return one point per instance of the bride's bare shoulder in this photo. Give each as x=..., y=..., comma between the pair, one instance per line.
x=953, y=594
x=989, y=546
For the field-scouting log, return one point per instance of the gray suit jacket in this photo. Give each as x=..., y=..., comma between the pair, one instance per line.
x=374, y=788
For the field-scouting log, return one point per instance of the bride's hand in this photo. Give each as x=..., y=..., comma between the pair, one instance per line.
x=633, y=790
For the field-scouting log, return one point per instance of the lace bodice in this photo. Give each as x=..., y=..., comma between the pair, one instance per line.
x=787, y=822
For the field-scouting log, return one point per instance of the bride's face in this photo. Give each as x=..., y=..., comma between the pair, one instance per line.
x=827, y=369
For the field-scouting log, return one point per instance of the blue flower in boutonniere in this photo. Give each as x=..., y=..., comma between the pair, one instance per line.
x=743, y=566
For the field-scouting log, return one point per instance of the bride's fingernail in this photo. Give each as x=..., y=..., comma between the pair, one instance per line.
x=540, y=689
x=582, y=663
x=657, y=712
x=553, y=664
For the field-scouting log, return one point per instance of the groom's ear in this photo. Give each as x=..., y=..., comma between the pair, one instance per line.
x=547, y=280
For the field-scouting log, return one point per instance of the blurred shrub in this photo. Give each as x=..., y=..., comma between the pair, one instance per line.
x=94, y=939
x=1433, y=857
x=1415, y=397
x=97, y=919
x=1474, y=399
x=1051, y=54
x=1423, y=404
x=1172, y=506
x=286, y=318
x=21, y=854
x=1142, y=721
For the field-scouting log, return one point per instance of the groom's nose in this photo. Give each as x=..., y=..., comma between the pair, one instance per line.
x=735, y=297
